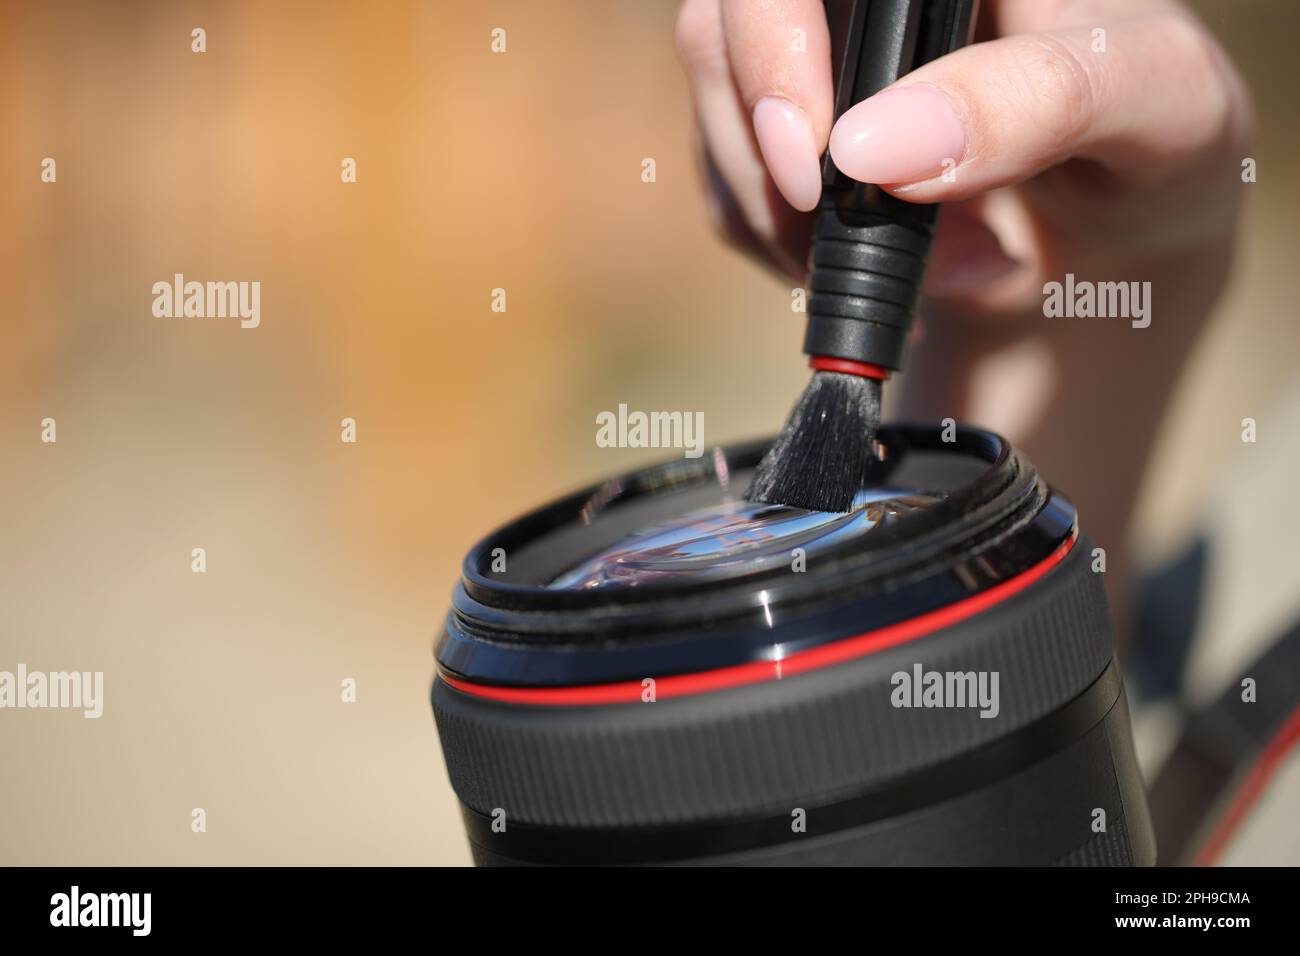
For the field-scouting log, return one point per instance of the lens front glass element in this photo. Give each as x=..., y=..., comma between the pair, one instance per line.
x=735, y=537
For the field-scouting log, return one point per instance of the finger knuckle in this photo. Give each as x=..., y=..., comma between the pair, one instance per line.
x=1189, y=45
x=1068, y=84
x=1206, y=77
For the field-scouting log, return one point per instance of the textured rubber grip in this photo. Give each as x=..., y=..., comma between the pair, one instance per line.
x=714, y=777
x=793, y=742
x=867, y=268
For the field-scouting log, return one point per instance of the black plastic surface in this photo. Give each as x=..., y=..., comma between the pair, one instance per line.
x=869, y=249
x=800, y=741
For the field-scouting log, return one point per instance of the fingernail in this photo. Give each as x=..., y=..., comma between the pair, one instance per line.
x=899, y=136
x=785, y=138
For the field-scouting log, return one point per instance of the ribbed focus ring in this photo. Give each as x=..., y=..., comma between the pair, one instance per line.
x=794, y=742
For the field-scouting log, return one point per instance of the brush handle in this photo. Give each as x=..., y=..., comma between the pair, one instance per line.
x=869, y=250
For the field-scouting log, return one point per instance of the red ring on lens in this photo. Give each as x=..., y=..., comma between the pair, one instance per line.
x=814, y=658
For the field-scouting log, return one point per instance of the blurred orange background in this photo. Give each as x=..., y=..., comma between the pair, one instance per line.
x=326, y=560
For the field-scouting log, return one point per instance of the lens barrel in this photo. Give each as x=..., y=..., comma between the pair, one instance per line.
x=942, y=690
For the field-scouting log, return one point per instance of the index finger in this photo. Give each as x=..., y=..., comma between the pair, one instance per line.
x=781, y=61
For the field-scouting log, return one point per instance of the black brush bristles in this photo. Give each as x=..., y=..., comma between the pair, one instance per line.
x=821, y=458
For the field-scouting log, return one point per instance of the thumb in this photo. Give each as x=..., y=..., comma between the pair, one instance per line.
x=1000, y=112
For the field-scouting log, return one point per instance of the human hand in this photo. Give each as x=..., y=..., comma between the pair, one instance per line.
x=1106, y=128
x=1098, y=138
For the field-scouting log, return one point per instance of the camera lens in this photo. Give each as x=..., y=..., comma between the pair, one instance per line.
x=655, y=671
x=733, y=536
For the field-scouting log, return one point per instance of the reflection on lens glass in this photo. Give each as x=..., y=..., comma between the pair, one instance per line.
x=735, y=537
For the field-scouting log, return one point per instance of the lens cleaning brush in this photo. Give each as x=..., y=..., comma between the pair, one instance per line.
x=869, y=252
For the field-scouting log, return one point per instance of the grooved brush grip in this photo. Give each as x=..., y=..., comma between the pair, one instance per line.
x=869, y=250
